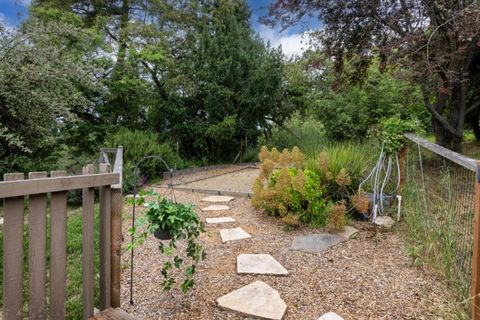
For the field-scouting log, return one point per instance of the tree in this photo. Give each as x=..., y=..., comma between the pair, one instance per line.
x=435, y=40
x=43, y=70
x=226, y=84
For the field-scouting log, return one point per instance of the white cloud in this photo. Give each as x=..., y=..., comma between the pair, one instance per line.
x=292, y=44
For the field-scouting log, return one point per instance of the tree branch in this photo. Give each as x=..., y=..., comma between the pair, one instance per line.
x=437, y=115
x=281, y=125
x=473, y=107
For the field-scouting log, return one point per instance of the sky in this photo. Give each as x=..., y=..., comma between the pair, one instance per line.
x=292, y=40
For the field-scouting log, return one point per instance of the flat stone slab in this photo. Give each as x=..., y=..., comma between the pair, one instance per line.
x=216, y=207
x=330, y=316
x=234, y=234
x=218, y=199
x=220, y=220
x=259, y=264
x=257, y=300
x=348, y=232
x=384, y=221
x=315, y=242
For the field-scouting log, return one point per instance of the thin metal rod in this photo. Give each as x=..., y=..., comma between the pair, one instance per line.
x=133, y=239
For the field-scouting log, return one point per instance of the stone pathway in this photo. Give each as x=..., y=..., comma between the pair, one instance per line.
x=258, y=299
x=216, y=207
x=330, y=316
x=315, y=243
x=234, y=234
x=218, y=199
x=259, y=264
x=219, y=220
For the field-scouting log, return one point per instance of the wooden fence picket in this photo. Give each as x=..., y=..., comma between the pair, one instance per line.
x=37, y=251
x=13, y=253
x=58, y=254
x=88, y=247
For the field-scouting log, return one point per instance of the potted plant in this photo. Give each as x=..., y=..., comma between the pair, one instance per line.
x=168, y=220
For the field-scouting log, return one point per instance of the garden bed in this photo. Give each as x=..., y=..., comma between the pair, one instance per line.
x=368, y=277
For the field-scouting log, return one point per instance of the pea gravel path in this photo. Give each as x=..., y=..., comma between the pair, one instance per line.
x=367, y=277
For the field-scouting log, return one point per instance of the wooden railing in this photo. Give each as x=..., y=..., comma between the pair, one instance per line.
x=14, y=189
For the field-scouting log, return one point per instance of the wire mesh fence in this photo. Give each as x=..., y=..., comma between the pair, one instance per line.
x=439, y=212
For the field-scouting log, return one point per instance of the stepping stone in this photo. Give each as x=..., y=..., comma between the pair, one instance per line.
x=315, y=243
x=234, y=234
x=218, y=199
x=219, y=220
x=216, y=207
x=257, y=300
x=348, y=232
x=259, y=264
x=330, y=316
x=384, y=221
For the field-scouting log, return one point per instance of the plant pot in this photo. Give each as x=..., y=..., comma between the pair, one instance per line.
x=162, y=234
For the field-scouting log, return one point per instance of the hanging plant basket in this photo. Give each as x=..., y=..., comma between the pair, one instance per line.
x=162, y=234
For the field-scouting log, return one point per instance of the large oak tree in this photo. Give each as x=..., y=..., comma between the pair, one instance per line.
x=437, y=41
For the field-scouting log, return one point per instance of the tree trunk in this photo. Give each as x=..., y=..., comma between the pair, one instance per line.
x=473, y=120
x=453, y=110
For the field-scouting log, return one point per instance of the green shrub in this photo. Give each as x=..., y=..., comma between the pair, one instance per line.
x=286, y=189
x=139, y=144
x=250, y=155
x=316, y=191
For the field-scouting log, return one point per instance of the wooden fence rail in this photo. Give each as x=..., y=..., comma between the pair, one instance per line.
x=38, y=189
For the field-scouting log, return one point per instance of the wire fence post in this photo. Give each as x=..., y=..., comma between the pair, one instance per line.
x=475, y=290
x=402, y=158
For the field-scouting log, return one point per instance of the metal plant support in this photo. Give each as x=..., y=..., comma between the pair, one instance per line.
x=140, y=181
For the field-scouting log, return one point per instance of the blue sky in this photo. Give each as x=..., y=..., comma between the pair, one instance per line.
x=292, y=40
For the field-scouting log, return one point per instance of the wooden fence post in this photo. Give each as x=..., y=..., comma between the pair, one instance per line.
x=116, y=221
x=105, y=240
x=475, y=287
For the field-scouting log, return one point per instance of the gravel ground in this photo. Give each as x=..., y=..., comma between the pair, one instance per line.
x=368, y=277
x=238, y=181
x=208, y=174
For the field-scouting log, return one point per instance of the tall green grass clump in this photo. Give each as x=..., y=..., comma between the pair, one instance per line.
x=139, y=144
x=438, y=222
x=306, y=134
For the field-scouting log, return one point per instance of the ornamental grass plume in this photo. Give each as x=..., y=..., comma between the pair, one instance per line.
x=343, y=179
x=323, y=165
x=283, y=185
x=360, y=201
x=264, y=154
x=291, y=220
x=275, y=154
x=266, y=168
x=297, y=157
x=298, y=182
x=336, y=216
x=258, y=193
x=285, y=158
